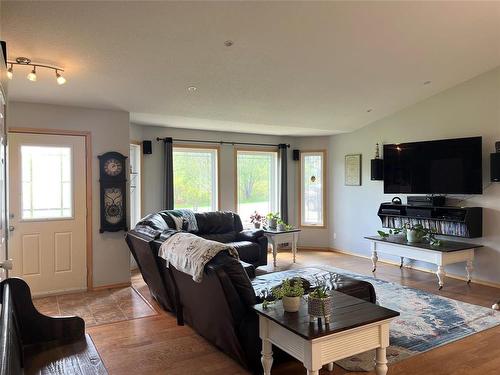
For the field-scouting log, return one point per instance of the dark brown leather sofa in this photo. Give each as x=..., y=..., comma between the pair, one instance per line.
x=219, y=308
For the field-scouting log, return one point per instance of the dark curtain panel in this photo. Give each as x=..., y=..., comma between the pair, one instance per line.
x=283, y=150
x=169, y=174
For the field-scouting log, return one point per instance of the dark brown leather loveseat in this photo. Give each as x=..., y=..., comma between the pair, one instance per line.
x=219, y=308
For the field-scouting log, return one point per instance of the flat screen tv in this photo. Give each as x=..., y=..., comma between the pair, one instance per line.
x=448, y=166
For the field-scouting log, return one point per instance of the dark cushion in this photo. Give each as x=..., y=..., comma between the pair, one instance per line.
x=219, y=237
x=345, y=284
x=250, y=234
x=249, y=269
x=249, y=251
x=215, y=222
x=239, y=278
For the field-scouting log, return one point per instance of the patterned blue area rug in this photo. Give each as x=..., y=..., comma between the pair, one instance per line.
x=426, y=321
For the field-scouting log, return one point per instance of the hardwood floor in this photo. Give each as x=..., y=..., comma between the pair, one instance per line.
x=156, y=345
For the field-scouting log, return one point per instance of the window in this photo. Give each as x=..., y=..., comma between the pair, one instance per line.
x=196, y=178
x=46, y=182
x=257, y=182
x=312, y=188
x=135, y=184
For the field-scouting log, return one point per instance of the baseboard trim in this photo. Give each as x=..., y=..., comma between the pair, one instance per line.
x=58, y=292
x=111, y=286
x=317, y=248
x=450, y=275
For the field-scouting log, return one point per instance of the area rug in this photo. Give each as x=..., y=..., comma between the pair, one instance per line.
x=426, y=321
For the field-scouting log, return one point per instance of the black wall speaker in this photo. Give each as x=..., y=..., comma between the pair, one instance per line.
x=377, y=169
x=296, y=155
x=147, y=147
x=495, y=167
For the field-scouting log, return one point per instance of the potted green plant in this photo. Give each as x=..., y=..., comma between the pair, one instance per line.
x=272, y=220
x=289, y=292
x=414, y=233
x=319, y=301
x=281, y=225
x=256, y=219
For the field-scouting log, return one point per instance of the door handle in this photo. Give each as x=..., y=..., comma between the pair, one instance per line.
x=6, y=264
x=11, y=228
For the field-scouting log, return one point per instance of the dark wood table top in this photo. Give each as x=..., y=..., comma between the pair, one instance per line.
x=348, y=312
x=271, y=231
x=445, y=247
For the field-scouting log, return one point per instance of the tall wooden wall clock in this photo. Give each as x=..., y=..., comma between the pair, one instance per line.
x=113, y=192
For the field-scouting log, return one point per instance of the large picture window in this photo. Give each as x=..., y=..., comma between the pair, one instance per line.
x=195, y=178
x=312, y=189
x=256, y=182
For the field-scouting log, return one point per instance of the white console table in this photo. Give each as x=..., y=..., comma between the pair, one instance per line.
x=447, y=253
x=276, y=238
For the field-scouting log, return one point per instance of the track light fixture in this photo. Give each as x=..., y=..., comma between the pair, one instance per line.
x=32, y=75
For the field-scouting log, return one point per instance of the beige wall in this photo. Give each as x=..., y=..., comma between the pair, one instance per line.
x=153, y=169
x=469, y=109
x=110, y=132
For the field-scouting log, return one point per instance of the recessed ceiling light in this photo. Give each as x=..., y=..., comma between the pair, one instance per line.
x=228, y=43
x=369, y=110
x=192, y=88
x=427, y=82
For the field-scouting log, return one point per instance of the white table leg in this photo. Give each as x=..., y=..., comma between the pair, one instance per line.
x=374, y=256
x=440, y=275
x=469, y=268
x=294, y=247
x=402, y=262
x=381, y=362
x=330, y=366
x=312, y=372
x=267, y=356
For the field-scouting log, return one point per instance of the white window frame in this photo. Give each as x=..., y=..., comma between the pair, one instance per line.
x=275, y=202
x=303, y=155
x=216, y=169
x=72, y=181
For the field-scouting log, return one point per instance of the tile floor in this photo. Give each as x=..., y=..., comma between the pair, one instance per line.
x=97, y=307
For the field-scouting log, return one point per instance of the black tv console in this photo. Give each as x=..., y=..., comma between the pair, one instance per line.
x=464, y=222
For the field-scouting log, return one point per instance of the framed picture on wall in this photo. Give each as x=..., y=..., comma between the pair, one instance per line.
x=353, y=170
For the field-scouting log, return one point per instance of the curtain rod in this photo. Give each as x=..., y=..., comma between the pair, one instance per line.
x=221, y=142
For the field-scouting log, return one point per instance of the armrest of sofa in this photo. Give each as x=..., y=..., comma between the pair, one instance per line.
x=251, y=235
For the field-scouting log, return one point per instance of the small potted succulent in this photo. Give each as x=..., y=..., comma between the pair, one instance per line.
x=256, y=219
x=290, y=292
x=320, y=301
x=272, y=220
x=281, y=225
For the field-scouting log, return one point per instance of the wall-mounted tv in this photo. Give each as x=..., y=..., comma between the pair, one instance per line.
x=448, y=166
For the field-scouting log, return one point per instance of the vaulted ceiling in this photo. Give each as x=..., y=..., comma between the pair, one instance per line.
x=296, y=68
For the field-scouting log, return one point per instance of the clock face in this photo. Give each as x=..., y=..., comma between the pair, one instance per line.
x=113, y=205
x=113, y=167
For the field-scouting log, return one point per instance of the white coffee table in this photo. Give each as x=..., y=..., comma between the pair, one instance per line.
x=356, y=326
x=276, y=238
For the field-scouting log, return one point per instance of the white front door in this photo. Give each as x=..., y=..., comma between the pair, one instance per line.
x=47, y=242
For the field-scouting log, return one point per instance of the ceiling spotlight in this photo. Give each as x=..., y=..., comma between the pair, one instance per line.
x=32, y=76
x=427, y=82
x=10, y=73
x=228, y=43
x=60, y=79
x=192, y=88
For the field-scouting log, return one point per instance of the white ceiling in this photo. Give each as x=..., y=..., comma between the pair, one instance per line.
x=296, y=68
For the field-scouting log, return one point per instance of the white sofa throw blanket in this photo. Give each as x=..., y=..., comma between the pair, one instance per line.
x=189, y=253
